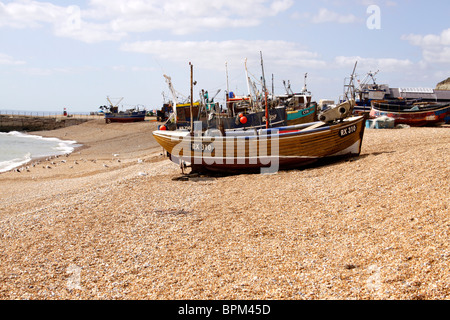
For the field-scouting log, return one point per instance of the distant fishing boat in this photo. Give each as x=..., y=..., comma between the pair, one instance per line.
x=265, y=149
x=125, y=116
x=413, y=114
x=299, y=107
x=305, y=115
x=400, y=98
x=256, y=110
x=112, y=113
x=243, y=113
x=240, y=115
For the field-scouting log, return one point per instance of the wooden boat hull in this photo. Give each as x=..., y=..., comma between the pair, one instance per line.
x=266, y=150
x=125, y=117
x=417, y=118
x=299, y=116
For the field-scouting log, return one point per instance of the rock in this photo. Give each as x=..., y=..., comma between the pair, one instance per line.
x=444, y=85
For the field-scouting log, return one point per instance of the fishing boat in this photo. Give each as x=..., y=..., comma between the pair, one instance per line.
x=303, y=115
x=383, y=96
x=244, y=113
x=112, y=113
x=241, y=113
x=131, y=115
x=164, y=113
x=299, y=107
x=267, y=150
x=416, y=114
x=256, y=110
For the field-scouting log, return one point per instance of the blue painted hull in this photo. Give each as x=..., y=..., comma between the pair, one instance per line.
x=125, y=116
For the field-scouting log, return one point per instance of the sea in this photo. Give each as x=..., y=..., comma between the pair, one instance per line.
x=17, y=149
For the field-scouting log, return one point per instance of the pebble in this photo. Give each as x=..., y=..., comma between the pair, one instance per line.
x=372, y=228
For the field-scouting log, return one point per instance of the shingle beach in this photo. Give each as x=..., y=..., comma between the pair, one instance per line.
x=112, y=221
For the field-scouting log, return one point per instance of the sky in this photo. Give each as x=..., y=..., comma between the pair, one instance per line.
x=75, y=54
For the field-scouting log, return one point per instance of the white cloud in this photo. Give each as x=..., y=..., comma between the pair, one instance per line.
x=214, y=54
x=122, y=68
x=435, y=48
x=441, y=56
x=114, y=19
x=8, y=60
x=91, y=33
x=280, y=6
x=66, y=21
x=182, y=17
x=385, y=64
x=50, y=71
x=385, y=3
x=326, y=15
x=26, y=13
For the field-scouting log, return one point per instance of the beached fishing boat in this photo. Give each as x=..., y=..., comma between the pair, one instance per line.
x=299, y=106
x=112, y=113
x=413, y=114
x=242, y=112
x=131, y=115
x=306, y=113
x=267, y=150
x=387, y=99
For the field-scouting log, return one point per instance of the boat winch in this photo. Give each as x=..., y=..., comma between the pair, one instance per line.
x=338, y=112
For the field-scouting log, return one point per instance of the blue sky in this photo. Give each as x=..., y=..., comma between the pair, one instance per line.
x=67, y=54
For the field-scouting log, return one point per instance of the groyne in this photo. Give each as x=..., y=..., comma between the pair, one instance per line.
x=35, y=123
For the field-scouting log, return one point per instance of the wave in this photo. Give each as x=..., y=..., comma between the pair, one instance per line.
x=30, y=136
x=22, y=148
x=14, y=163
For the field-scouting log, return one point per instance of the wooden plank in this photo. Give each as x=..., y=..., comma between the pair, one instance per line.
x=314, y=126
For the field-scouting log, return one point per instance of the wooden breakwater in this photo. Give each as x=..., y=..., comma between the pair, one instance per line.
x=35, y=123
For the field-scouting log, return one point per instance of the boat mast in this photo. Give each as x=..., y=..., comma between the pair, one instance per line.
x=192, y=97
x=227, y=93
x=226, y=72
x=351, y=86
x=265, y=91
x=247, y=78
x=273, y=89
x=304, y=86
x=174, y=96
x=112, y=104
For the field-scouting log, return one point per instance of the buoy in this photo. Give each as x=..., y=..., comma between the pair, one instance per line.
x=163, y=128
x=243, y=120
x=241, y=115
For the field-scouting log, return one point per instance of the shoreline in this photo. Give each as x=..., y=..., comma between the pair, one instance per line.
x=35, y=160
x=114, y=222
